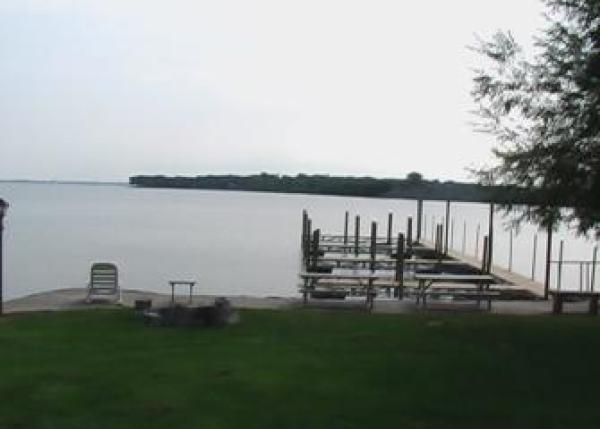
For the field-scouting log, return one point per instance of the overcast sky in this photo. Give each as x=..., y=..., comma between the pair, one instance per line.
x=109, y=88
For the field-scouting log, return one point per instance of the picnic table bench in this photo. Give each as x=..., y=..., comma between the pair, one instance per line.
x=559, y=297
x=454, y=285
x=364, y=279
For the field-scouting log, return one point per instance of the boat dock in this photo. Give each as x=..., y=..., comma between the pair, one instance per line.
x=400, y=267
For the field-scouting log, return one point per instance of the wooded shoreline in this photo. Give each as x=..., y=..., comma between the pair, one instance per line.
x=409, y=188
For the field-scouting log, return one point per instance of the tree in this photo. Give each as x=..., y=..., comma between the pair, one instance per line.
x=414, y=177
x=545, y=114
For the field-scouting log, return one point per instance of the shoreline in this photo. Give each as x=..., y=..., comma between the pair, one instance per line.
x=74, y=299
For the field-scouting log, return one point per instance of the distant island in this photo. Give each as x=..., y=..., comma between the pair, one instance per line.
x=414, y=186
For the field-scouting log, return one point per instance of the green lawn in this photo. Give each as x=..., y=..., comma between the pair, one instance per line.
x=300, y=369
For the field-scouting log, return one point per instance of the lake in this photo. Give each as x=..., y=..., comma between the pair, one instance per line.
x=232, y=243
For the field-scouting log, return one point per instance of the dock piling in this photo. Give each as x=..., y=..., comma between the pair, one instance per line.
x=346, y=229
x=594, y=258
x=548, y=258
x=484, y=255
x=491, y=236
x=315, y=248
x=419, y=219
x=307, y=247
x=409, y=234
x=356, y=234
x=389, y=230
x=304, y=233
x=400, y=266
x=447, y=227
x=373, y=245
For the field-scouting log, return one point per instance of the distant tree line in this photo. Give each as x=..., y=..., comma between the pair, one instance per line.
x=414, y=186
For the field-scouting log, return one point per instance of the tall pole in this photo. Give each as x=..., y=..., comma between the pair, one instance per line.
x=3, y=208
x=356, y=234
x=447, y=228
x=548, y=256
x=491, y=237
x=373, y=245
x=594, y=259
x=409, y=234
x=419, y=219
x=345, y=231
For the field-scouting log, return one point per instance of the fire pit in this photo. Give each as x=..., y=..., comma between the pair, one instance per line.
x=219, y=314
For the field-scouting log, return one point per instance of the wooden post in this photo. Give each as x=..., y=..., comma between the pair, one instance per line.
x=548, y=257
x=534, y=257
x=356, y=234
x=419, y=219
x=308, y=242
x=304, y=232
x=447, y=227
x=346, y=230
x=400, y=266
x=373, y=245
x=370, y=291
x=484, y=256
x=491, y=237
x=594, y=258
x=389, y=230
x=304, y=219
x=439, y=240
x=315, y=249
x=409, y=234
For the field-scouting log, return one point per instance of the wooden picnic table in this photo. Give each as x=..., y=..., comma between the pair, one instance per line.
x=360, y=276
x=559, y=296
x=426, y=280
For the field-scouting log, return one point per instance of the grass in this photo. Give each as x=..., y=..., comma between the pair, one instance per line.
x=299, y=369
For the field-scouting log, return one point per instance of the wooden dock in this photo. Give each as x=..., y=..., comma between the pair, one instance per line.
x=341, y=265
x=513, y=278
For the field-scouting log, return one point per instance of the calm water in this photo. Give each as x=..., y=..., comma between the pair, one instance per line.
x=232, y=243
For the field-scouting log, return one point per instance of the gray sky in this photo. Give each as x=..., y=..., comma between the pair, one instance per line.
x=109, y=88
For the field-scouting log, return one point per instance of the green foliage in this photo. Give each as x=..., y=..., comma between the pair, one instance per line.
x=545, y=113
x=414, y=177
x=299, y=369
x=414, y=186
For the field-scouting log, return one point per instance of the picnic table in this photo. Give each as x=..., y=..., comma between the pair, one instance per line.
x=559, y=296
x=363, y=278
x=455, y=285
